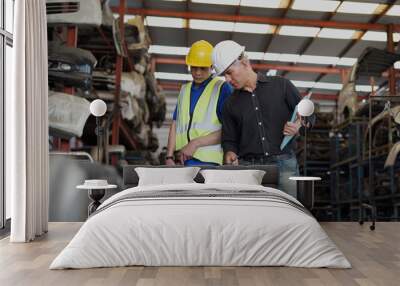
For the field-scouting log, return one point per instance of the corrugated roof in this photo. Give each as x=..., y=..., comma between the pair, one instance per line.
x=266, y=42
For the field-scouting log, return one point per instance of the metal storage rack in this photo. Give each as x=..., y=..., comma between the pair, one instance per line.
x=359, y=181
x=347, y=169
x=316, y=163
x=384, y=183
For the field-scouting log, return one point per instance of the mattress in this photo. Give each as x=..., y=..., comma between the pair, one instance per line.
x=201, y=225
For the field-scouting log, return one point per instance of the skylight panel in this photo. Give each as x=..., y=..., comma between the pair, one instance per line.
x=218, y=2
x=255, y=55
x=223, y=26
x=197, y=24
x=253, y=28
x=318, y=60
x=394, y=11
x=273, y=57
x=247, y=3
x=168, y=50
x=375, y=36
x=289, y=58
x=264, y=3
x=173, y=76
x=299, y=31
x=301, y=83
x=358, y=7
x=379, y=36
x=315, y=5
x=328, y=85
x=336, y=33
x=226, y=26
x=346, y=61
x=166, y=22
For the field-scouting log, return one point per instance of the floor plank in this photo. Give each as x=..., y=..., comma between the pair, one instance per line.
x=375, y=257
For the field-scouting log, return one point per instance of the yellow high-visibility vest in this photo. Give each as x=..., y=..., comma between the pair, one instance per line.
x=203, y=121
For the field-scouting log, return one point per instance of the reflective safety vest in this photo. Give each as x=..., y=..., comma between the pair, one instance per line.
x=202, y=122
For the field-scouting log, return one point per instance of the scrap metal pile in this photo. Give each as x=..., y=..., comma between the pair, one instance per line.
x=366, y=141
x=383, y=129
x=372, y=63
x=89, y=68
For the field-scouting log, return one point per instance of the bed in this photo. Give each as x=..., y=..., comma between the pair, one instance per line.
x=198, y=224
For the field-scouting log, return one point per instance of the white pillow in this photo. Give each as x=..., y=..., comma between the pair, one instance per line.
x=166, y=176
x=248, y=177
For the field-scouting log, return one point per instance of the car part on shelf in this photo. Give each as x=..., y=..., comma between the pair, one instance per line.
x=70, y=66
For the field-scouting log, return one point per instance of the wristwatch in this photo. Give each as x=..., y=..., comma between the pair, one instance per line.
x=169, y=157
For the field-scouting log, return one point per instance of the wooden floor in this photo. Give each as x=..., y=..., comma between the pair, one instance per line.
x=375, y=256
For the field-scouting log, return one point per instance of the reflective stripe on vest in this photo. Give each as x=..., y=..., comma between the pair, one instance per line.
x=204, y=120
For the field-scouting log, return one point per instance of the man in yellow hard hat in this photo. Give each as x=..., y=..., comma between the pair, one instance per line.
x=196, y=128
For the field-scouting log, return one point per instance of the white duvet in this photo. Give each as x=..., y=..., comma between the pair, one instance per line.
x=200, y=231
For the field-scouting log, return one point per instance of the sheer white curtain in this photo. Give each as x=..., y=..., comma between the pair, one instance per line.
x=27, y=124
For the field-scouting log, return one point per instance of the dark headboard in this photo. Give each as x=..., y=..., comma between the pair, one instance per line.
x=271, y=177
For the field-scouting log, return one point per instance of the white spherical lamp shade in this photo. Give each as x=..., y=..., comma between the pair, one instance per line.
x=305, y=107
x=98, y=107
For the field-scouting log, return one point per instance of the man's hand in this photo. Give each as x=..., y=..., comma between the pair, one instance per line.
x=231, y=158
x=292, y=128
x=170, y=162
x=187, y=152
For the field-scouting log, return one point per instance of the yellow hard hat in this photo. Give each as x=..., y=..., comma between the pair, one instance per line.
x=200, y=54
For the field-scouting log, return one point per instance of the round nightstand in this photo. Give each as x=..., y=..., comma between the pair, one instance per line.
x=95, y=193
x=305, y=190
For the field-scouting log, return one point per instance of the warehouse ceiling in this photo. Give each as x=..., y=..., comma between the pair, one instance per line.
x=280, y=35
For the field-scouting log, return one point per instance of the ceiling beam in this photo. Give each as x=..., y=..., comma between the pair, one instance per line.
x=261, y=66
x=175, y=86
x=265, y=66
x=258, y=19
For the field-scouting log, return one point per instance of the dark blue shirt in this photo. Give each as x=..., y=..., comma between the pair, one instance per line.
x=195, y=93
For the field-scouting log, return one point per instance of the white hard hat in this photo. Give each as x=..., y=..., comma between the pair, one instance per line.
x=224, y=54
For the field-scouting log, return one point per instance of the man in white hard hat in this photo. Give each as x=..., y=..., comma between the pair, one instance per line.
x=196, y=128
x=257, y=115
